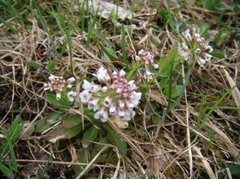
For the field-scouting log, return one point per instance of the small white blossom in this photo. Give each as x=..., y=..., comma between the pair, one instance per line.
x=58, y=95
x=187, y=35
x=85, y=96
x=102, y=75
x=148, y=75
x=115, y=96
x=71, y=95
x=71, y=80
x=201, y=52
x=86, y=85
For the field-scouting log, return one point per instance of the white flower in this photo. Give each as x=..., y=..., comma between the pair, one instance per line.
x=122, y=73
x=127, y=116
x=140, y=52
x=87, y=85
x=187, y=35
x=112, y=109
x=121, y=113
x=201, y=61
x=85, y=96
x=71, y=80
x=210, y=49
x=96, y=88
x=71, y=95
x=104, y=89
x=155, y=66
x=52, y=77
x=47, y=86
x=102, y=115
x=137, y=58
x=201, y=48
x=93, y=104
x=102, y=75
x=136, y=96
x=121, y=104
x=132, y=85
x=107, y=101
x=208, y=57
x=148, y=75
x=58, y=95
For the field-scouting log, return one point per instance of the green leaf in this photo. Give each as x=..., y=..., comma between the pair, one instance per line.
x=72, y=132
x=156, y=119
x=222, y=37
x=101, y=36
x=218, y=53
x=33, y=64
x=204, y=30
x=163, y=68
x=82, y=157
x=11, y=136
x=176, y=91
x=72, y=121
x=63, y=102
x=123, y=45
x=235, y=170
x=214, y=5
x=6, y=171
x=167, y=64
x=89, y=135
x=47, y=122
x=61, y=132
x=115, y=140
x=132, y=73
x=110, y=53
x=51, y=65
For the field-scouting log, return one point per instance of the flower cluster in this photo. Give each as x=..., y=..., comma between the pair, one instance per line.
x=195, y=44
x=114, y=96
x=147, y=57
x=58, y=84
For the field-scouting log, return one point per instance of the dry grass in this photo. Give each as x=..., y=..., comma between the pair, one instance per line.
x=197, y=139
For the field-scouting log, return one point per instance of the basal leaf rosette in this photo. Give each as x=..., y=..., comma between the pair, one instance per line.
x=112, y=96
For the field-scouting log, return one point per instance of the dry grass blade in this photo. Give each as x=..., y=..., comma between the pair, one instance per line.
x=235, y=90
x=224, y=140
x=129, y=140
x=205, y=163
x=91, y=162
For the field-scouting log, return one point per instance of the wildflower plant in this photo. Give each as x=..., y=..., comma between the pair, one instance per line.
x=113, y=95
x=195, y=46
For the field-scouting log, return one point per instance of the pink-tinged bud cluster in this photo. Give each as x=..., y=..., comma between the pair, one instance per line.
x=201, y=48
x=147, y=57
x=114, y=96
x=58, y=84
